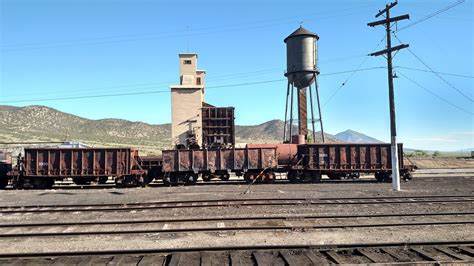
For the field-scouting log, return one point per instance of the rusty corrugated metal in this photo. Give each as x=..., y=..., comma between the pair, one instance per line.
x=347, y=157
x=80, y=162
x=241, y=159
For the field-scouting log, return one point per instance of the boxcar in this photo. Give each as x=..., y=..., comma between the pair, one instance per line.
x=184, y=166
x=40, y=167
x=345, y=160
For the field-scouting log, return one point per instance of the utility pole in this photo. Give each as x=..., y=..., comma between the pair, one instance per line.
x=387, y=22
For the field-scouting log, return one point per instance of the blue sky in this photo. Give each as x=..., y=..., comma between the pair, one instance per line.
x=61, y=48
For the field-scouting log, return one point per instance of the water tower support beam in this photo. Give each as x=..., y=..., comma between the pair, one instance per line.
x=291, y=111
x=312, y=113
x=286, y=111
x=316, y=85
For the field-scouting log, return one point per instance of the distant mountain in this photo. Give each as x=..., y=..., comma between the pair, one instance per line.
x=357, y=137
x=40, y=123
x=270, y=132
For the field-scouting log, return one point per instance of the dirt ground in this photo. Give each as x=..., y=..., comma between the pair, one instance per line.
x=441, y=162
x=460, y=185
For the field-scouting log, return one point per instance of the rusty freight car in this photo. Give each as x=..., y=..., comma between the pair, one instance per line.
x=345, y=160
x=40, y=167
x=184, y=166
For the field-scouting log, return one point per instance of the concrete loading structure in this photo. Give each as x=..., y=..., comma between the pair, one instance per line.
x=195, y=123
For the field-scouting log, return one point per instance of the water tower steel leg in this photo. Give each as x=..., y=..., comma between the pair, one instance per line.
x=286, y=111
x=291, y=110
x=316, y=85
x=312, y=113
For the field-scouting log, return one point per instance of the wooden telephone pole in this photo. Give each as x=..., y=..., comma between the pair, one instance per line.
x=388, y=52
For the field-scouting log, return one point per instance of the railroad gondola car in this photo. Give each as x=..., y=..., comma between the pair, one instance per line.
x=346, y=160
x=184, y=166
x=41, y=167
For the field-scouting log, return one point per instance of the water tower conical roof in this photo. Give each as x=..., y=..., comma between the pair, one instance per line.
x=301, y=31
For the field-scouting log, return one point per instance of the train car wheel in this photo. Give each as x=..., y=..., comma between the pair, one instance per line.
x=249, y=177
x=354, y=175
x=81, y=181
x=190, y=179
x=294, y=177
x=206, y=177
x=407, y=176
x=103, y=179
x=166, y=181
x=224, y=177
x=387, y=177
x=270, y=177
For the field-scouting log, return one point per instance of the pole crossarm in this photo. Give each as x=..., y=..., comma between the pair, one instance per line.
x=388, y=20
x=387, y=7
x=385, y=51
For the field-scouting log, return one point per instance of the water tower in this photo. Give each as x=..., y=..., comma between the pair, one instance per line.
x=301, y=71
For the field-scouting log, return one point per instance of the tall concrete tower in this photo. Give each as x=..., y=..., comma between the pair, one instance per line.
x=301, y=71
x=186, y=102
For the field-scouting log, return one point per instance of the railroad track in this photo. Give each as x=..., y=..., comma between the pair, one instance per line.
x=217, y=224
x=234, y=202
x=230, y=218
x=397, y=253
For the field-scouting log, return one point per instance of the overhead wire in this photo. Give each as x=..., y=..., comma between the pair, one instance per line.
x=434, y=94
x=182, y=31
x=12, y=47
x=350, y=76
x=436, y=73
x=444, y=9
x=147, y=85
x=441, y=73
x=165, y=91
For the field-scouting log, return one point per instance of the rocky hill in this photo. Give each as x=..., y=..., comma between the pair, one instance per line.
x=354, y=136
x=269, y=132
x=40, y=123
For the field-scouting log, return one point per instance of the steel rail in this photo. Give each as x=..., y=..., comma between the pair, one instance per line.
x=467, y=243
x=235, y=200
x=237, y=203
x=219, y=219
x=227, y=229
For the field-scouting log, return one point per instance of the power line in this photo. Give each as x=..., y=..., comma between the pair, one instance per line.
x=441, y=73
x=164, y=91
x=435, y=95
x=154, y=84
x=432, y=14
x=350, y=76
x=100, y=40
x=437, y=74
x=84, y=97
x=183, y=31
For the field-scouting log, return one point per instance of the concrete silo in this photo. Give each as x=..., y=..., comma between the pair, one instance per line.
x=302, y=71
